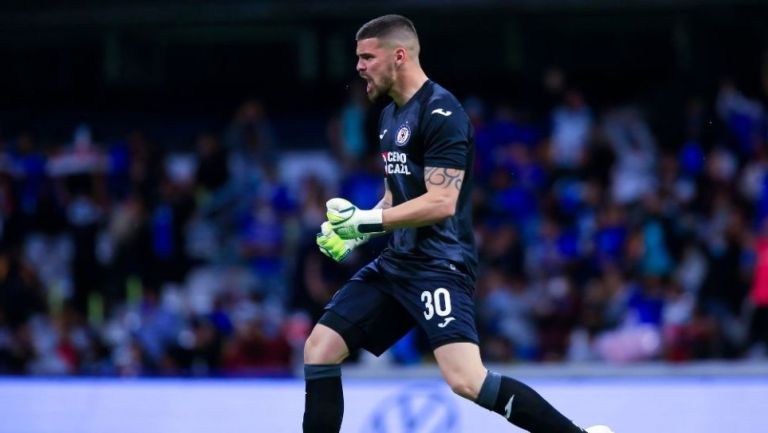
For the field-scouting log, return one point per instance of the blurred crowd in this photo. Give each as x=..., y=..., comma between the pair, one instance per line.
x=598, y=242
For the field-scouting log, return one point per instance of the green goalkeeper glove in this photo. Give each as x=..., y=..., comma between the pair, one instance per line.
x=351, y=222
x=335, y=247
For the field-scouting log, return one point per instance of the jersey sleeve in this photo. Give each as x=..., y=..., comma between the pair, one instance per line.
x=446, y=136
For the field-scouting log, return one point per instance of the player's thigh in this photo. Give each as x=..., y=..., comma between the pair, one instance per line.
x=366, y=316
x=461, y=367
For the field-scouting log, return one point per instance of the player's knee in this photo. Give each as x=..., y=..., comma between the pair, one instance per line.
x=463, y=386
x=315, y=352
x=323, y=349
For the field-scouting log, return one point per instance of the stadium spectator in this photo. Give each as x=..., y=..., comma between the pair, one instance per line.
x=593, y=235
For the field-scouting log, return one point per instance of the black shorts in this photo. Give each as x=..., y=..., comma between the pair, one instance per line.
x=378, y=306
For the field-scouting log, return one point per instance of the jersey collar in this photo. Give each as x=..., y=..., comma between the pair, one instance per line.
x=416, y=95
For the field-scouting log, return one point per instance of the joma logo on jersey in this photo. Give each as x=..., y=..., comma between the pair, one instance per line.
x=395, y=163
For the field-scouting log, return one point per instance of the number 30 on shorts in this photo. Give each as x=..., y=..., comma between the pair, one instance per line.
x=438, y=302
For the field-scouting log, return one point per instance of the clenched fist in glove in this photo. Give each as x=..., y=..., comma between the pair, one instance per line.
x=350, y=222
x=335, y=247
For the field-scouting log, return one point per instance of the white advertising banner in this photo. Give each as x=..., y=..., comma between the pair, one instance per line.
x=639, y=405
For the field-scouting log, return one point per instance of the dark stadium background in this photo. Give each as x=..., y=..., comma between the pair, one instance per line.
x=167, y=63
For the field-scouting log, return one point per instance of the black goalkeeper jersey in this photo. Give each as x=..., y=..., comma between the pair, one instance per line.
x=430, y=130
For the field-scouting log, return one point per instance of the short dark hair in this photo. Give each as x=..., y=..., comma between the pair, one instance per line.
x=385, y=26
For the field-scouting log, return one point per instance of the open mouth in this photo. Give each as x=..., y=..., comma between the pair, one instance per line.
x=368, y=84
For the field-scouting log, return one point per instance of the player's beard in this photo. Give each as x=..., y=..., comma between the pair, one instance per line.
x=382, y=88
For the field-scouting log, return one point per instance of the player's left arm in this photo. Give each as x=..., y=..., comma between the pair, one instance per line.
x=386, y=200
x=447, y=151
x=438, y=203
x=446, y=142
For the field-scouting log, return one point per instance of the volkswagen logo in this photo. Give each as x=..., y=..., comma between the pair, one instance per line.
x=424, y=408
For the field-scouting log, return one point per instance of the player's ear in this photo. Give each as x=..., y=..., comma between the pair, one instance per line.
x=401, y=54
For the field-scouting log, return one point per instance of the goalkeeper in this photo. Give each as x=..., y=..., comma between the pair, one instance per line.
x=425, y=277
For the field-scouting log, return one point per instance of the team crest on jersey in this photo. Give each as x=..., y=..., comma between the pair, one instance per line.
x=403, y=134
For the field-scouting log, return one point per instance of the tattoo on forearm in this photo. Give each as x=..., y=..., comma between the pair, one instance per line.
x=444, y=177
